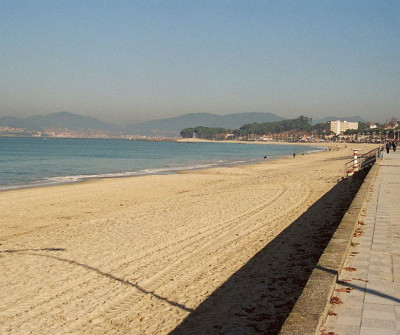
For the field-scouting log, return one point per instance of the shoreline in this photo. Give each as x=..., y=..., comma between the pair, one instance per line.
x=173, y=170
x=139, y=255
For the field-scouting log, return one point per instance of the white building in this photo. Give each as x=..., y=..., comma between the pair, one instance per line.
x=339, y=127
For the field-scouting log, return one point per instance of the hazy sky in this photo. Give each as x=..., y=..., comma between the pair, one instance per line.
x=129, y=61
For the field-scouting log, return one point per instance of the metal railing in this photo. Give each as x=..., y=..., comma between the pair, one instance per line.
x=360, y=162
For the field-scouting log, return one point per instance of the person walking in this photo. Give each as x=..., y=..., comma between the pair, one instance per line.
x=387, y=147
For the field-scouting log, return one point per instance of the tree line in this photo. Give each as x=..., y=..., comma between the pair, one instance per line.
x=302, y=123
x=295, y=127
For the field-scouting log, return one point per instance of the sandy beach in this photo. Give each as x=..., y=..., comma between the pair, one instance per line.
x=180, y=253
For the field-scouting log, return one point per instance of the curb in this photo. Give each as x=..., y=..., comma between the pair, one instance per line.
x=310, y=310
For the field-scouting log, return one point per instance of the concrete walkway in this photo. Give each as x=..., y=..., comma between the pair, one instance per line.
x=366, y=299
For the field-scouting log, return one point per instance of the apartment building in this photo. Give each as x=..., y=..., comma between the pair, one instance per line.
x=339, y=127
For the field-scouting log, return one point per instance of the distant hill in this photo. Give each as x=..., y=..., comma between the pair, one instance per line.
x=169, y=127
x=63, y=120
x=341, y=118
x=163, y=127
x=172, y=126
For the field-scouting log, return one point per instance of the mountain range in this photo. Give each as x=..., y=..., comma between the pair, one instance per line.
x=169, y=127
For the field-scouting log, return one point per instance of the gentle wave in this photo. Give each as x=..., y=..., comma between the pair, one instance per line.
x=79, y=178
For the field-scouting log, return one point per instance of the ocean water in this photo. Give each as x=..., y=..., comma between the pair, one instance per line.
x=31, y=162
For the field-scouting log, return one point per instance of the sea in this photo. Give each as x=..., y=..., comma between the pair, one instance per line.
x=34, y=162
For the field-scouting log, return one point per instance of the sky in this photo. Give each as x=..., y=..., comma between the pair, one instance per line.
x=132, y=61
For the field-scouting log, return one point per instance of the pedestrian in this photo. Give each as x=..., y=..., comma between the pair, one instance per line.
x=265, y=157
x=388, y=147
x=294, y=155
x=394, y=146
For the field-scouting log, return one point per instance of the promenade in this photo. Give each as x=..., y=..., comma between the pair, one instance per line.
x=366, y=300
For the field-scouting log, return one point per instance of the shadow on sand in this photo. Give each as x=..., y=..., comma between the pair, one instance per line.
x=258, y=298
x=98, y=271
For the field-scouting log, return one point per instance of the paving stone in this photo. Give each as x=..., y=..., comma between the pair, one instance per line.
x=356, y=313
x=344, y=330
x=360, y=291
x=361, y=263
x=375, y=331
x=349, y=320
x=353, y=302
x=378, y=324
x=379, y=311
x=378, y=300
x=377, y=307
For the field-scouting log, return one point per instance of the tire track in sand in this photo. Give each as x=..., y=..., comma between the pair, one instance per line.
x=191, y=263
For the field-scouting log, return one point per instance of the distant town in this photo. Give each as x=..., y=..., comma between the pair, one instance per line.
x=301, y=130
